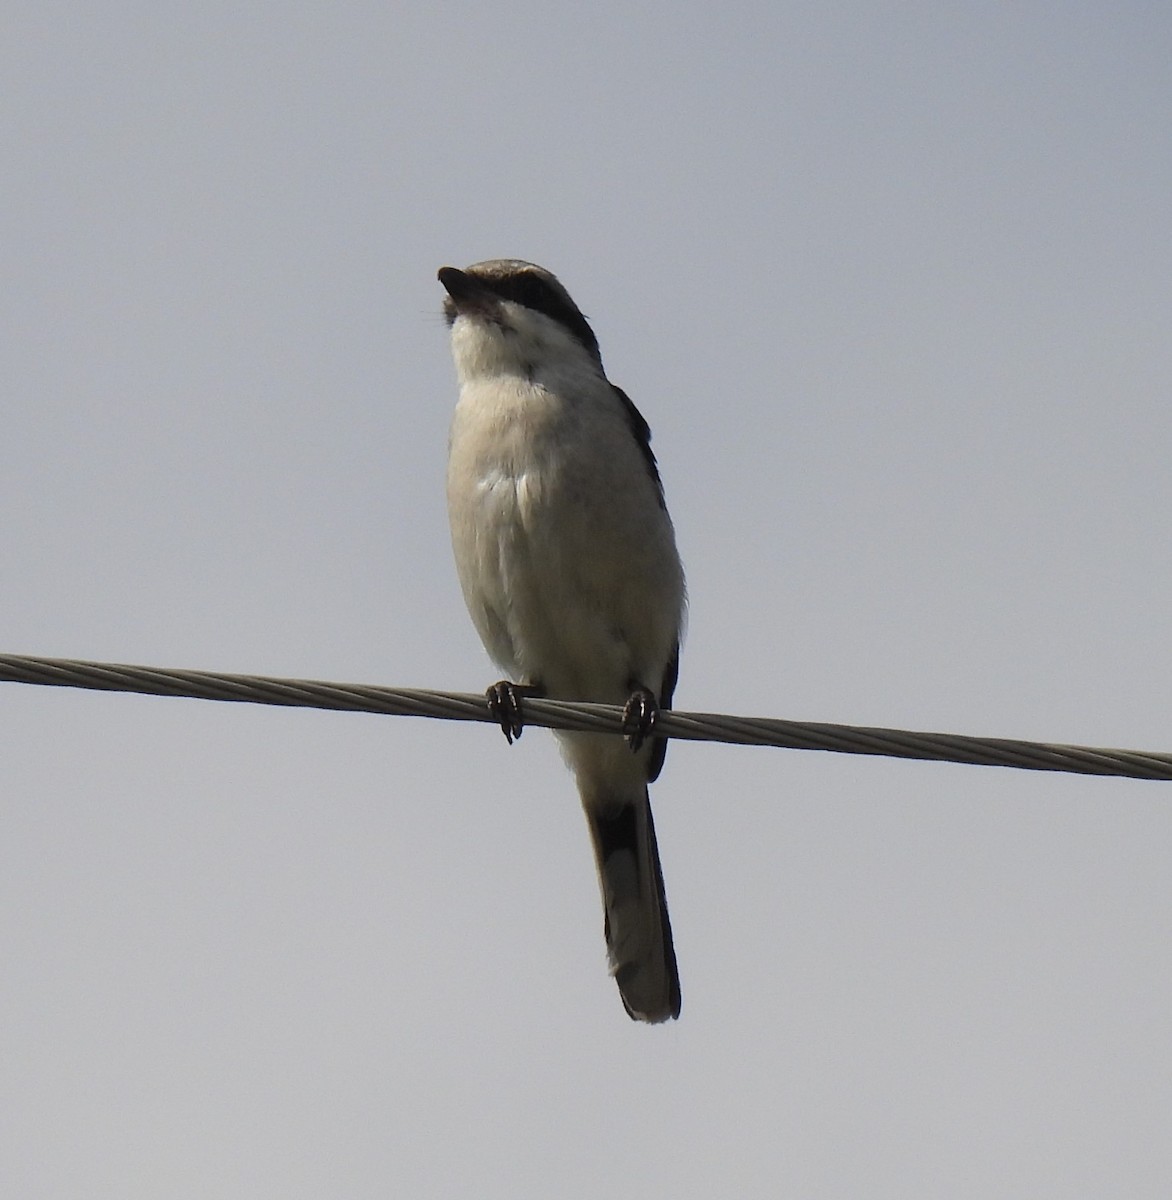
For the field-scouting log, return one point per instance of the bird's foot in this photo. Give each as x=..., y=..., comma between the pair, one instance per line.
x=640, y=714
x=504, y=702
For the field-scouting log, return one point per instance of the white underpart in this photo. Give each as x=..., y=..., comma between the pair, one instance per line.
x=566, y=557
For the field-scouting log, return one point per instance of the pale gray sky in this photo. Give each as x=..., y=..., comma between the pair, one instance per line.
x=893, y=286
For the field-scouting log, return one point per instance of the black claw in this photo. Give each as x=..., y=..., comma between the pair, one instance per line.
x=505, y=706
x=639, y=716
x=504, y=702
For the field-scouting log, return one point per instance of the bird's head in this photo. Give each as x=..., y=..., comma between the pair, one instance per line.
x=508, y=316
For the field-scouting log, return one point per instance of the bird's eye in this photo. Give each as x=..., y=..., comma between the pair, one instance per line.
x=531, y=292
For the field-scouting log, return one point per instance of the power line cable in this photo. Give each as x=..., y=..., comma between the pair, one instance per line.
x=591, y=718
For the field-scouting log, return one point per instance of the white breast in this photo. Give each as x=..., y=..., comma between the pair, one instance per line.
x=566, y=558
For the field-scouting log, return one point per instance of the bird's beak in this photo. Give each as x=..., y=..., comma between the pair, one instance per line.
x=467, y=295
x=460, y=285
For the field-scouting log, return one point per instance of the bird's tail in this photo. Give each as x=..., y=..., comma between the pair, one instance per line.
x=637, y=929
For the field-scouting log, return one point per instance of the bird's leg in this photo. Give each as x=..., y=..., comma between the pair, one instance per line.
x=504, y=702
x=639, y=714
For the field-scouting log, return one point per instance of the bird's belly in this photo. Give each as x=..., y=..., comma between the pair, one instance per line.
x=560, y=595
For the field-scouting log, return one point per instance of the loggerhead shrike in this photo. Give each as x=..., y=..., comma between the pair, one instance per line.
x=568, y=563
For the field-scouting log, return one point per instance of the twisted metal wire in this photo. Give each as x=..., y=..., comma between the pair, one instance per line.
x=591, y=718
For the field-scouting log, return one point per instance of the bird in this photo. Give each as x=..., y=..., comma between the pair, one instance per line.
x=568, y=564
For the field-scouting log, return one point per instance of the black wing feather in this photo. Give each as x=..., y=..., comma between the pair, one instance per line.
x=642, y=434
